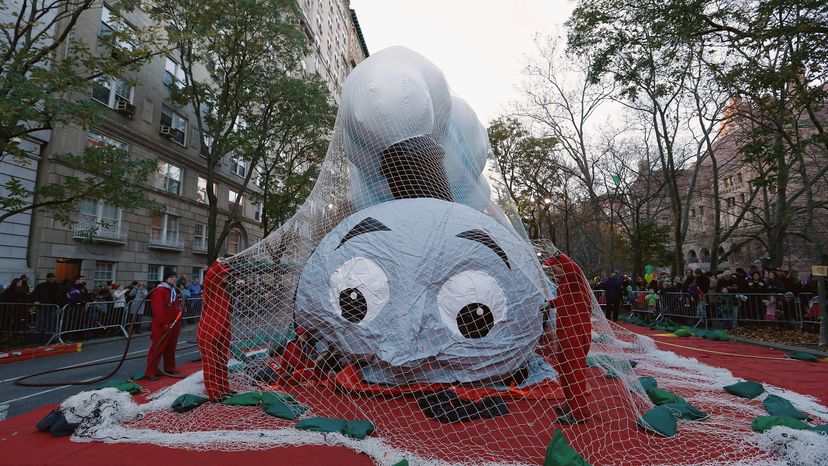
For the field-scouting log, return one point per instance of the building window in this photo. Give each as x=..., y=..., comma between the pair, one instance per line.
x=169, y=178
x=201, y=192
x=701, y=211
x=110, y=26
x=692, y=213
x=233, y=195
x=94, y=139
x=111, y=91
x=173, y=126
x=738, y=177
x=200, y=238
x=173, y=73
x=257, y=212
x=238, y=166
x=198, y=274
x=204, y=151
x=99, y=219
x=164, y=230
x=233, y=242
x=104, y=273
x=155, y=273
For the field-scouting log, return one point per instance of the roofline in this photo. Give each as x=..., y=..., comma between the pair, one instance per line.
x=359, y=33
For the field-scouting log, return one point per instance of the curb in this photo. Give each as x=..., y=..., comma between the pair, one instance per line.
x=781, y=347
x=25, y=354
x=101, y=341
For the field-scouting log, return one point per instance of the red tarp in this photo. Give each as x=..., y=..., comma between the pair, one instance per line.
x=521, y=435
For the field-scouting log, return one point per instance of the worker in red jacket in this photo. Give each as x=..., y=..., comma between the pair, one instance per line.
x=166, y=305
x=573, y=332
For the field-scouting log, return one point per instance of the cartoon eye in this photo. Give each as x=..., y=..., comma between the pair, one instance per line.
x=471, y=303
x=359, y=290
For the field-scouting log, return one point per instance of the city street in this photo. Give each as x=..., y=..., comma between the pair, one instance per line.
x=16, y=400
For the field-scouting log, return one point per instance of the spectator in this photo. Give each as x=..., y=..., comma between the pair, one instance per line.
x=614, y=292
x=119, y=296
x=49, y=292
x=137, y=304
x=702, y=281
x=26, y=283
x=194, y=289
x=741, y=278
x=194, y=304
x=726, y=302
x=756, y=289
x=15, y=301
x=49, y=296
x=78, y=294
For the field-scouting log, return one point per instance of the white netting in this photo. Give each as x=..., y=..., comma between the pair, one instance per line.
x=402, y=294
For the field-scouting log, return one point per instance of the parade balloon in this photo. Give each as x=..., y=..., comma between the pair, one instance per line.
x=424, y=290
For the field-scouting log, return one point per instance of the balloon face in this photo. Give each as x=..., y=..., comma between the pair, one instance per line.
x=423, y=290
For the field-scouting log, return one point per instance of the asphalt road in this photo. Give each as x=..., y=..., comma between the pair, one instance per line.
x=16, y=400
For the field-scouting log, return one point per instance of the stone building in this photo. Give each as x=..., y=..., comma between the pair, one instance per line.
x=135, y=245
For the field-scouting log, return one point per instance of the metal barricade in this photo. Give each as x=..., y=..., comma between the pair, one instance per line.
x=191, y=312
x=24, y=324
x=684, y=307
x=99, y=318
x=92, y=319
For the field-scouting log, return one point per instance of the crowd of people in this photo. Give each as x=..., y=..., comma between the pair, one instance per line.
x=24, y=308
x=755, y=293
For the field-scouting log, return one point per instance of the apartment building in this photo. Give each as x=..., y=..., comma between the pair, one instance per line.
x=135, y=244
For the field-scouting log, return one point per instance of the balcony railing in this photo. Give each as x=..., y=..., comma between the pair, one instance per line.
x=200, y=246
x=171, y=242
x=89, y=228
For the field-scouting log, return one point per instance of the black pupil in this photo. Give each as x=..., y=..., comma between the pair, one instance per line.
x=353, y=305
x=475, y=320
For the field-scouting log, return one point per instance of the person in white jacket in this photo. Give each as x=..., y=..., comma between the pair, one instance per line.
x=119, y=297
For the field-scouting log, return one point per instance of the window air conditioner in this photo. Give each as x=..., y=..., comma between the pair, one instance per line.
x=122, y=106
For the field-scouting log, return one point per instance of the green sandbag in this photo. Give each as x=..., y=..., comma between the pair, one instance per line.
x=129, y=387
x=659, y=396
x=648, y=382
x=803, y=356
x=747, y=389
x=822, y=429
x=718, y=335
x=765, y=423
x=114, y=382
x=560, y=453
x=778, y=406
x=660, y=421
x=285, y=410
x=256, y=399
x=401, y=463
x=358, y=429
x=686, y=411
x=354, y=429
x=321, y=424
x=185, y=403
x=683, y=332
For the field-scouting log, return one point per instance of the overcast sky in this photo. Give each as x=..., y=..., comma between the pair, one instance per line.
x=479, y=44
